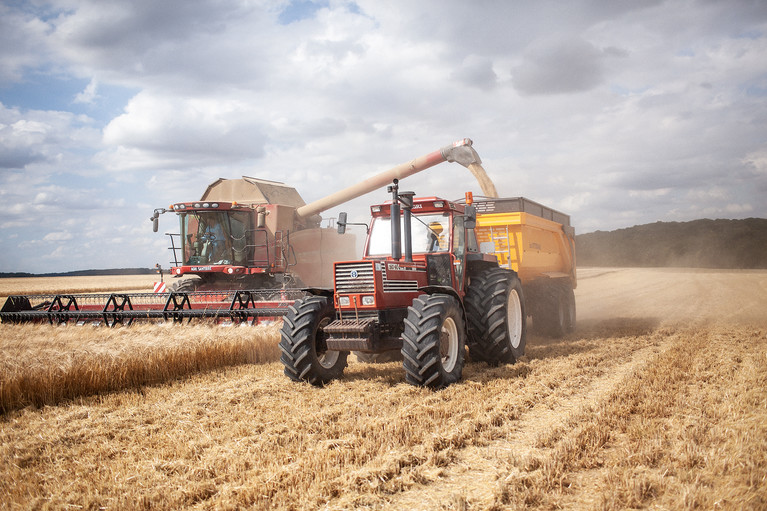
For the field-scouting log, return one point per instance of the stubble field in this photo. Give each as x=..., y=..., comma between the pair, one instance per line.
x=657, y=401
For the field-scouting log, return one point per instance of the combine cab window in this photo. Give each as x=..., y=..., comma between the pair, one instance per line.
x=431, y=233
x=216, y=237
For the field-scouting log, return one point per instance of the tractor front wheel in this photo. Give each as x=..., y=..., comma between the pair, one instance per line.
x=433, y=342
x=304, y=351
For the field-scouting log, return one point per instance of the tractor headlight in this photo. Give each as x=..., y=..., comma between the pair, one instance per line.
x=343, y=301
x=368, y=300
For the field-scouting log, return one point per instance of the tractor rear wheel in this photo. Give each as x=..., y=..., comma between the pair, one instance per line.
x=433, y=342
x=304, y=352
x=497, y=322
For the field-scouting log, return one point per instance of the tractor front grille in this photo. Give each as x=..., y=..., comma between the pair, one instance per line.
x=355, y=277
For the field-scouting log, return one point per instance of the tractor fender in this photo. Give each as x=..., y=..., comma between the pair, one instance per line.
x=318, y=291
x=445, y=290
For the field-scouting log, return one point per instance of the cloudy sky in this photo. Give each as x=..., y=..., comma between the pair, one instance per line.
x=618, y=112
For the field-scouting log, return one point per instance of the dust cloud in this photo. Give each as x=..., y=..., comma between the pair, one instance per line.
x=673, y=296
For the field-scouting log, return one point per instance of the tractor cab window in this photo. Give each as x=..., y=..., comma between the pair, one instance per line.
x=215, y=237
x=430, y=233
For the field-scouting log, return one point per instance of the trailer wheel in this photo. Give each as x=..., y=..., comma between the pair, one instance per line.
x=304, y=352
x=433, y=342
x=569, y=294
x=556, y=312
x=495, y=307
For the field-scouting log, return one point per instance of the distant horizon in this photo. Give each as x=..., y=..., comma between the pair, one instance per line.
x=153, y=269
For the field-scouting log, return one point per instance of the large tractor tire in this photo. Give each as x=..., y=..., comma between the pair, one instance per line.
x=433, y=342
x=555, y=316
x=304, y=352
x=495, y=307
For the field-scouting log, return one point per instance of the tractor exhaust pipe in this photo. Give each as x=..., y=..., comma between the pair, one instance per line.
x=396, y=238
x=460, y=152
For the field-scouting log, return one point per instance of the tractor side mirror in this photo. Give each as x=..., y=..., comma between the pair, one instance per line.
x=341, y=223
x=470, y=221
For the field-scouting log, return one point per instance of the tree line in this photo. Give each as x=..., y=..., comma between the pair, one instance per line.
x=726, y=244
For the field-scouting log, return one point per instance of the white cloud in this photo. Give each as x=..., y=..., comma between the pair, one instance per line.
x=757, y=161
x=22, y=42
x=89, y=94
x=58, y=236
x=558, y=67
x=41, y=137
x=193, y=129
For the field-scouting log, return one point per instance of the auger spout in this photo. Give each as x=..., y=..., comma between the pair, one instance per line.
x=460, y=152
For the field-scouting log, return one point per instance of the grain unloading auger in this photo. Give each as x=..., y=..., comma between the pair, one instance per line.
x=244, y=251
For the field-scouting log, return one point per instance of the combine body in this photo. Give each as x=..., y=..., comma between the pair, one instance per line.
x=245, y=234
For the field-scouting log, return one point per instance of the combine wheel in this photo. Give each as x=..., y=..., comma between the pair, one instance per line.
x=497, y=322
x=188, y=285
x=433, y=343
x=304, y=352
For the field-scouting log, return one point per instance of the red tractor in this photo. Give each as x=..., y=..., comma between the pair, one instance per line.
x=442, y=295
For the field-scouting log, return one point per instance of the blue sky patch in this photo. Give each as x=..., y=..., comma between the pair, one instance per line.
x=41, y=91
x=300, y=10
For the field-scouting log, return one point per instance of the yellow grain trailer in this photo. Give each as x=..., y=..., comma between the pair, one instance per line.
x=538, y=243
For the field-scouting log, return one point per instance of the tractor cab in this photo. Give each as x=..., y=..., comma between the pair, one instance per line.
x=434, y=235
x=440, y=248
